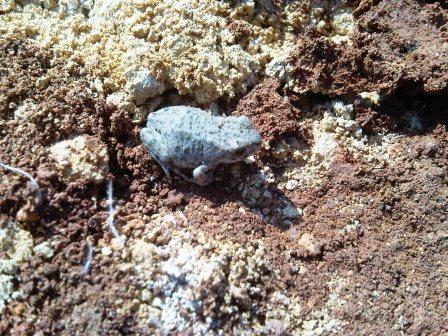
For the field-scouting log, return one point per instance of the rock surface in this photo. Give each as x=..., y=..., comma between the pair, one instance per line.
x=81, y=157
x=350, y=99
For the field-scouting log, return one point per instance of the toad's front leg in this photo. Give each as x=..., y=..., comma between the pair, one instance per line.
x=152, y=141
x=203, y=174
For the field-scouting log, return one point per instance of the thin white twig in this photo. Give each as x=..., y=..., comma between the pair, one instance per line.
x=34, y=184
x=111, y=210
x=88, y=258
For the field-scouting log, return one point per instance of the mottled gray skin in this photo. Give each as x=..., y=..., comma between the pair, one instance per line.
x=188, y=137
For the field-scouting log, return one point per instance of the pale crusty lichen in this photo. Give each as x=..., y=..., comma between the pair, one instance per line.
x=81, y=157
x=191, y=281
x=188, y=45
x=333, y=21
x=371, y=97
x=185, y=44
x=335, y=133
x=284, y=314
x=342, y=25
x=15, y=247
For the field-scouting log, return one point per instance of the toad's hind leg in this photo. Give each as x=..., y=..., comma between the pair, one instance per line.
x=164, y=166
x=178, y=172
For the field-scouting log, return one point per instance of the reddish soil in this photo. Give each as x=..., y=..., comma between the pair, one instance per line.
x=272, y=115
x=387, y=52
x=394, y=260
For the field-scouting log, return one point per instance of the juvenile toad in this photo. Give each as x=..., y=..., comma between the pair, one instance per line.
x=182, y=137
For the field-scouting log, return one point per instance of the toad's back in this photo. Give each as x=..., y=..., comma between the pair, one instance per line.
x=191, y=136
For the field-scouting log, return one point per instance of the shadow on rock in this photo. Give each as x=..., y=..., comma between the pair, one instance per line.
x=252, y=190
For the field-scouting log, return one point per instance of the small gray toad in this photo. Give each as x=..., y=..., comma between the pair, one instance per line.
x=188, y=137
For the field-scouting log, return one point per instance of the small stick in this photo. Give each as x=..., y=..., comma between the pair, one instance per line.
x=111, y=210
x=88, y=259
x=34, y=184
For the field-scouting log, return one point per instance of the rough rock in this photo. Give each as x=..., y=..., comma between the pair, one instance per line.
x=81, y=157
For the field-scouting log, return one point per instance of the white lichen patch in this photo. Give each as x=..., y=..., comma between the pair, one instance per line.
x=15, y=242
x=44, y=249
x=16, y=246
x=324, y=320
x=283, y=314
x=372, y=97
x=23, y=111
x=184, y=44
x=335, y=23
x=273, y=208
x=335, y=134
x=191, y=281
x=122, y=100
x=144, y=47
x=140, y=85
x=6, y=289
x=342, y=24
x=81, y=157
x=278, y=67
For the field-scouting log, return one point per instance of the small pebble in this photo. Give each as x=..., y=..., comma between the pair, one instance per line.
x=118, y=243
x=292, y=184
x=106, y=250
x=169, y=218
x=44, y=249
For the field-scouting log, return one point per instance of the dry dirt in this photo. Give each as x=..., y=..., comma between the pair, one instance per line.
x=338, y=226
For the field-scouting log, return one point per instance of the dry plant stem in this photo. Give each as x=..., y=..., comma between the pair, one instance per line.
x=111, y=210
x=35, y=185
x=88, y=259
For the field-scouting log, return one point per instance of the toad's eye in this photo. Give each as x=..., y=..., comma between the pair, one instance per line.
x=239, y=152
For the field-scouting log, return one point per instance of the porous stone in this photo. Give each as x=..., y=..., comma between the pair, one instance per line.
x=141, y=86
x=292, y=184
x=81, y=157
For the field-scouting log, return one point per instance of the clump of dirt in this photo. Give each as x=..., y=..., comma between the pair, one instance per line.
x=385, y=53
x=272, y=114
x=321, y=66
